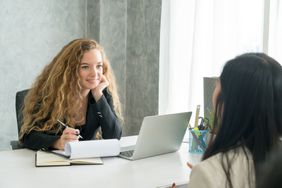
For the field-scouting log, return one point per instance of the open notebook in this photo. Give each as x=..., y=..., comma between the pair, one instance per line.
x=45, y=158
x=83, y=152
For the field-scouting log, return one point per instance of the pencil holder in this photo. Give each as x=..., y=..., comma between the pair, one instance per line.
x=198, y=140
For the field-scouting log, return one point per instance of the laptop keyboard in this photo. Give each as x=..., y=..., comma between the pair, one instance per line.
x=127, y=153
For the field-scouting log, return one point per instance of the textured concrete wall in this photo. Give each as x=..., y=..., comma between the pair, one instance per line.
x=142, y=61
x=93, y=19
x=31, y=33
x=129, y=32
x=113, y=16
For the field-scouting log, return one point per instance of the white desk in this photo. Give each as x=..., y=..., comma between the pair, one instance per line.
x=17, y=170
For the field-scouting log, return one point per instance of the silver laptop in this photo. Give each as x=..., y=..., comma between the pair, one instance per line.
x=159, y=135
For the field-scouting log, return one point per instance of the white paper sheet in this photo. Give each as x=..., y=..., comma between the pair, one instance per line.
x=91, y=148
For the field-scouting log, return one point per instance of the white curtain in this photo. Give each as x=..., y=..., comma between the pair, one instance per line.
x=175, y=66
x=275, y=30
x=199, y=36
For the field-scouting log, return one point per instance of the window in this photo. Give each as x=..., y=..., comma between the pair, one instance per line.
x=199, y=36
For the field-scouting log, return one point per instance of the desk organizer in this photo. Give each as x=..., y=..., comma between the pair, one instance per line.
x=198, y=140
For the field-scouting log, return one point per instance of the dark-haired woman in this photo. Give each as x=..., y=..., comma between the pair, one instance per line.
x=247, y=101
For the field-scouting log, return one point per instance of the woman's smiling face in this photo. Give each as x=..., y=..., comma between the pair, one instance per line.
x=91, y=69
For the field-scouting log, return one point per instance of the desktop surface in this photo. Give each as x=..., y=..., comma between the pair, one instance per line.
x=18, y=170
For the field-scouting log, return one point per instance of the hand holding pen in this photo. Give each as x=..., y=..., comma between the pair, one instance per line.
x=69, y=135
x=77, y=131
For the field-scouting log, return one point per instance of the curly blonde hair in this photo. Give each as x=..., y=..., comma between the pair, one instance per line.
x=56, y=93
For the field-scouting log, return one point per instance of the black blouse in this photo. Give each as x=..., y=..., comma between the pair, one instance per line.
x=99, y=114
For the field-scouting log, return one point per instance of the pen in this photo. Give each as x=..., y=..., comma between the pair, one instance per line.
x=79, y=136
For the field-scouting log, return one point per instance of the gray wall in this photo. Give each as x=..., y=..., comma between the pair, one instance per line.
x=113, y=19
x=93, y=19
x=130, y=33
x=142, y=63
x=33, y=31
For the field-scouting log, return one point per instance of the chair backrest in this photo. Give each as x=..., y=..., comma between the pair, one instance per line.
x=209, y=85
x=20, y=95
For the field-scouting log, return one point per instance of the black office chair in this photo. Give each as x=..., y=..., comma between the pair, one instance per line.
x=20, y=95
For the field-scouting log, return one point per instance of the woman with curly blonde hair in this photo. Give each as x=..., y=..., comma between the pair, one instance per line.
x=78, y=88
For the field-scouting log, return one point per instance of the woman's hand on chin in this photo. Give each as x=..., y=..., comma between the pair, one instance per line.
x=97, y=92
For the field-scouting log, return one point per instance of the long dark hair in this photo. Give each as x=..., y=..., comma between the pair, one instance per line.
x=248, y=110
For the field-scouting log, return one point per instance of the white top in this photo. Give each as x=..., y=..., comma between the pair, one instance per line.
x=209, y=173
